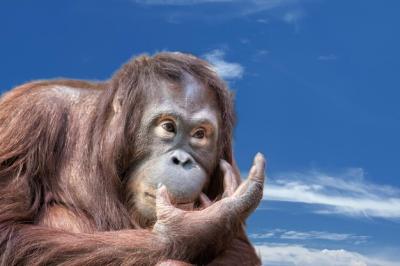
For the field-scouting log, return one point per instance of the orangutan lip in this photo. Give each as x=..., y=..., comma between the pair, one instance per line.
x=185, y=206
x=184, y=203
x=147, y=194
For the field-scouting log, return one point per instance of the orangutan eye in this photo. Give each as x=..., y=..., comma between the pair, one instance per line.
x=168, y=126
x=199, y=134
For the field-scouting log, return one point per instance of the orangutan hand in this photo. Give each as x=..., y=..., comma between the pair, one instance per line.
x=217, y=223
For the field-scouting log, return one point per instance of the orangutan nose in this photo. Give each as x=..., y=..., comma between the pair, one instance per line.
x=182, y=158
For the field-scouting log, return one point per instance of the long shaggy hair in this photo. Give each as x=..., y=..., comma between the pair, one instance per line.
x=51, y=130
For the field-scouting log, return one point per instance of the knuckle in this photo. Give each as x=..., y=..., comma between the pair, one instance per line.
x=257, y=185
x=254, y=194
x=259, y=177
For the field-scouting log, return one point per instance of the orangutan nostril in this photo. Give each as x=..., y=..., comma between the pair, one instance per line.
x=175, y=160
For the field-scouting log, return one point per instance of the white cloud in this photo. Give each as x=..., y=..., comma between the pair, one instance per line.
x=309, y=235
x=293, y=255
x=226, y=70
x=346, y=193
x=320, y=235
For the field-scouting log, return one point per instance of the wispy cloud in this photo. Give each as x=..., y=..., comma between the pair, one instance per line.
x=264, y=21
x=261, y=4
x=346, y=193
x=285, y=255
x=180, y=2
x=232, y=8
x=329, y=57
x=293, y=16
x=262, y=52
x=309, y=235
x=260, y=55
x=226, y=70
x=256, y=6
x=296, y=235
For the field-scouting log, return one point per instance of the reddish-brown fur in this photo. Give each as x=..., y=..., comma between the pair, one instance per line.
x=63, y=165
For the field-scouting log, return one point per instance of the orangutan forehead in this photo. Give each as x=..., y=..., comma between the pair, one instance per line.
x=189, y=93
x=191, y=88
x=188, y=99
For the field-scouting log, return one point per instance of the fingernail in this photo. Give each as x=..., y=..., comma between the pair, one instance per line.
x=259, y=156
x=159, y=185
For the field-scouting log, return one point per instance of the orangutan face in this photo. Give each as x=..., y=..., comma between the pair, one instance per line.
x=181, y=126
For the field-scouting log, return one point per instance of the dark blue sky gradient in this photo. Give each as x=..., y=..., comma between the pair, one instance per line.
x=321, y=92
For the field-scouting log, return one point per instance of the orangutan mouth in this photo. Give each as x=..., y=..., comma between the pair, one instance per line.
x=189, y=205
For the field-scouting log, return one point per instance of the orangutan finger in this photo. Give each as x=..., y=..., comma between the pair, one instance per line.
x=257, y=173
x=255, y=178
x=250, y=192
x=163, y=202
x=230, y=183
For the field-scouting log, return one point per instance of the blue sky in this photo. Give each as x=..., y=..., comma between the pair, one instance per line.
x=317, y=91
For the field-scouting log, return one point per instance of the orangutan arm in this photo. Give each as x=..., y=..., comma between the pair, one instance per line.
x=40, y=245
x=239, y=252
x=188, y=235
x=178, y=235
